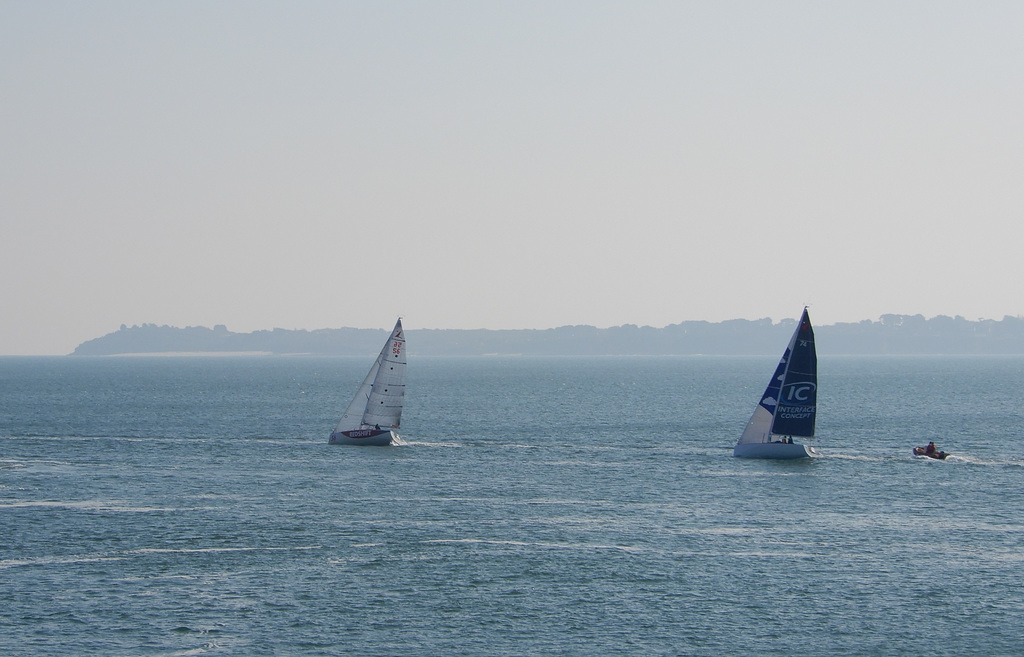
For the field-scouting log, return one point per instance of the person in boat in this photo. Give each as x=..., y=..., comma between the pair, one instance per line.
x=930, y=449
x=376, y=427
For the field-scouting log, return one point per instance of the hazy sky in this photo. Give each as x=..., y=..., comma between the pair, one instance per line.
x=505, y=164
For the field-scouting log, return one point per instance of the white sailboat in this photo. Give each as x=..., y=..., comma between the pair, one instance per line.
x=375, y=412
x=788, y=406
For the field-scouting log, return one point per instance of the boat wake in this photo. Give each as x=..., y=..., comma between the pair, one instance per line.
x=428, y=443
x=973, y=460
x=856, y=457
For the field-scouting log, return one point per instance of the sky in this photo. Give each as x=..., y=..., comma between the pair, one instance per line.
x=504, y=165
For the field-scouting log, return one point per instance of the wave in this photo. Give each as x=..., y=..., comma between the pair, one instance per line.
x=197, y=439
x=207, y=647
x=127, y=554
x=540, y=544
x=96, y=505
x=221, y=549
x=56, y=560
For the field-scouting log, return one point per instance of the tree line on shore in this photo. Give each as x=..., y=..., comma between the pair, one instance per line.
x=891, y=334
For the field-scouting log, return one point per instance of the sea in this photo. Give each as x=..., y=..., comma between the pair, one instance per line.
x=539, y=506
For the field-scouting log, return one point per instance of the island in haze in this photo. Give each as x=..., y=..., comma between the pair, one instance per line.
x=891, y=334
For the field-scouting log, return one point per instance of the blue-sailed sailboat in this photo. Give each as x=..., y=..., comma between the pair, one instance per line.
x=788, y=406
x=375, y=412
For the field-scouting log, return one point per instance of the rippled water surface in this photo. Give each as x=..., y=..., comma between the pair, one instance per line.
x=574, y=506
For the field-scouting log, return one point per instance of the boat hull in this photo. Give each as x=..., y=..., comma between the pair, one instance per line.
x=938, y=456
x=773, y=451
x=367, y=437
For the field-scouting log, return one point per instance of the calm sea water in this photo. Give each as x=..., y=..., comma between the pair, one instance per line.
x=574, y=506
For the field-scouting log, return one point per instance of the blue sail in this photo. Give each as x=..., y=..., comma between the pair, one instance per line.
x=797, y=395
x=771, y=394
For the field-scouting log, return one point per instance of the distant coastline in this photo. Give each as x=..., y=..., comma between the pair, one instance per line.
x=891, y=334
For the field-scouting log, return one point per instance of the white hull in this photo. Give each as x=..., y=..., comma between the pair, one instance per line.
x=367, y=437
x=773, y=451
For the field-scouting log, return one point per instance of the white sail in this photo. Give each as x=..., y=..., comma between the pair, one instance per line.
x=353, y=416
x=759, y=429
x=387, y=394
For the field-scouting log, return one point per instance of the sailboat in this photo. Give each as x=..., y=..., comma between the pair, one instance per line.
x=787, y=407
x=375, y=412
